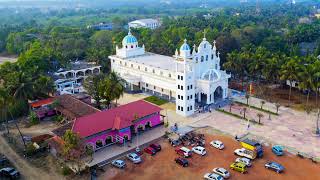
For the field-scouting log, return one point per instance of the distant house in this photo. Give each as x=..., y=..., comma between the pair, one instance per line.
x=42, y=107
x=69, y=80
x=116, y=125
x=145, y=23
x=101, y=26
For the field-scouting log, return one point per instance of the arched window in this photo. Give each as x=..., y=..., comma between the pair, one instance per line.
x=132, y=65
x=131, y=46
x=207, y=57
x=202, y=58
x=126, y=47
x=170, y=75
x=99, y=144
x=205, y=45
x=212, y=56
x=145, y=69
x=217, y=66
x=139, y=67
x=136, y=45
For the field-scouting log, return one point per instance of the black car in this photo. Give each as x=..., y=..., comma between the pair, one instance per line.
x=157, y=147
x=183, y=162
x=10, y=173
x=3, y=160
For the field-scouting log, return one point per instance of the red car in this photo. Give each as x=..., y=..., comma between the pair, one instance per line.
x=183, y=162
x=157, y=147
x=150, y=151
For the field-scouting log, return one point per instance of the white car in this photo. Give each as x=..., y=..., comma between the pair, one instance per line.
x=134, y=158
x=222, y=172
x=212, y=176
x=245, y=153
x=199, y=150
x=245, y=161
x=119, y=163
x=217, y=144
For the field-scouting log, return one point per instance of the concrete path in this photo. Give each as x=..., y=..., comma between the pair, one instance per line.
x=115, y=150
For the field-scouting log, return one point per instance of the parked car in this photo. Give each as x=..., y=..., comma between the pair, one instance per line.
x=277, y=150
x=150, y=151
x=119, y=163
x=245, y=153
x=183, y=151
x=3, y=159
x=240, y=167
x=9, y=172
x=217, y=144
x=245, y=161
x=157, y=147
x=274, y=166
x=212, y=176
x=135, y=158
x=199, y=150
x=222, y=172
x=183, y=162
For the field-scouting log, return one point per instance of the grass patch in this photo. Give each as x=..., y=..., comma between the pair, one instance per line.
x=236, y=115
x=257, y=108
x=155, y=100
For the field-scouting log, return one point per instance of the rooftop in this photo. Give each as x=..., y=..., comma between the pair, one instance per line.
x=77, y=65
x=73, y=108
x=116, y=118
x=146, y=21
x=155, y=60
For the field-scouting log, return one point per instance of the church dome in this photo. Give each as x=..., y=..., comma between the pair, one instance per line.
x=185, y=46
x=129, y=39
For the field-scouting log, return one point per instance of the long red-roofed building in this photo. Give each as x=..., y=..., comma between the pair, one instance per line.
x=118, y=124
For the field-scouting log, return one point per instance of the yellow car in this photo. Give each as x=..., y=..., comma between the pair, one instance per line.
x=238, y=166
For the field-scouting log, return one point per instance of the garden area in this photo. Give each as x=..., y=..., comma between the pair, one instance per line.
x=155, y=100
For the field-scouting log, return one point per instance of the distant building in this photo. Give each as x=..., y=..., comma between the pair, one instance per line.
x=317, y=15
x=145, y=23
x=101, y=26
x=69, y=81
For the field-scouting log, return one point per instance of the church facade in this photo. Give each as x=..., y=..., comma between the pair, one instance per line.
x=190, y=77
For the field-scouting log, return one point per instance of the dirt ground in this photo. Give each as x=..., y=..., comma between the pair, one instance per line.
x=163, y=167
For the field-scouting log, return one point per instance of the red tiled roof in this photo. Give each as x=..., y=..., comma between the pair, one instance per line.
x=41, y=102
x=117, y=118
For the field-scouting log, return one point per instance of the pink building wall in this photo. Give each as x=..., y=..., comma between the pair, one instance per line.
x=154, y=120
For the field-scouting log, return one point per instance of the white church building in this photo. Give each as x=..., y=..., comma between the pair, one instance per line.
x=190, y=77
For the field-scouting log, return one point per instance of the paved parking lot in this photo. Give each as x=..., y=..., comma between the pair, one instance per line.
x=162, y=165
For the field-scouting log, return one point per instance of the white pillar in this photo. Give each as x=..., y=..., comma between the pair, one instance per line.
x=208, y=100
x=199, y=97
x=131, y=86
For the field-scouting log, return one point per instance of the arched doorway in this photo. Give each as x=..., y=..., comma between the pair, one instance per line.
x=99, y=144
x=218, y=94
x=148, y=125
x=140, y=128
x=125, y=138
x=109, y=140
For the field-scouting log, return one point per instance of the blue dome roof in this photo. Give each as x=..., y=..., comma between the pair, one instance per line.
x=185, y=46
x=129, y=39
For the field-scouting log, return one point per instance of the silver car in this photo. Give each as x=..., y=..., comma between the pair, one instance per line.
x=245, y=161
x=135, y=158
x=222, y=172
x=119, y=163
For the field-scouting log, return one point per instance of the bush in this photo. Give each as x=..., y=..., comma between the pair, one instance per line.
x=57, y=118
x=33, y=118
x=65, y=170
x=30, y=150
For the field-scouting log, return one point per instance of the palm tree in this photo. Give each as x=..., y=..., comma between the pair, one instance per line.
x=306, y=79
x=277, y=106
x=92, y=85
x=244, y=112
x=117, y=83
x=247, y=96
x=289, y=73
x=260, y=115
x=262, y=103
x=4, y=106
x=232, y=104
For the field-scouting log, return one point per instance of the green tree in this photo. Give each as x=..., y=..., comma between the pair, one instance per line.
x=289, y=73
x=92, y=85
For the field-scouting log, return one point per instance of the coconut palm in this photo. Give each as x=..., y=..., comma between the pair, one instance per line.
x=260, y=115
x=277, y=106
x=247, y=96
x=306, y=79
x=262, y=102
x=289, y=73
x=117, y=84
x=244, y=112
